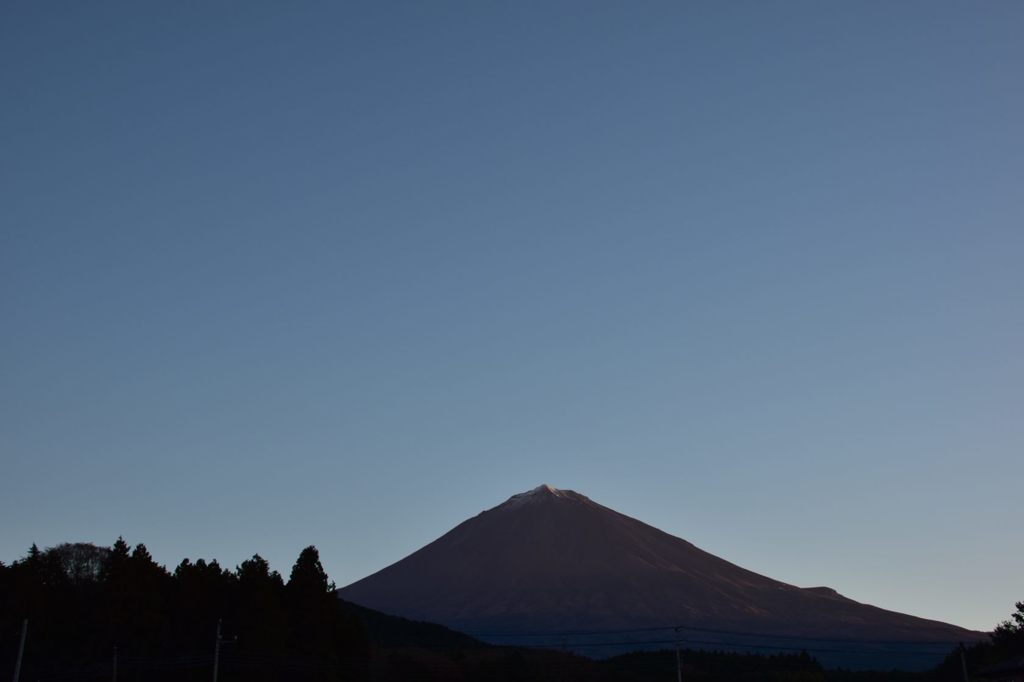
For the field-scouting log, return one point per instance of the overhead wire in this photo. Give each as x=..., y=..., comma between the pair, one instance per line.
x=738, y=633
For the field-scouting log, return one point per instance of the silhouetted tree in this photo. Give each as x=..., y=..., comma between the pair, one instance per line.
x=308, y=603
x=1010, y=633
x=80, y=562
x=201, y=597
x=308, y=577
x=262, y=618
x=318, y=625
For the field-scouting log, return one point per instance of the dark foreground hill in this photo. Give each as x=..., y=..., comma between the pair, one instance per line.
x=554, y=561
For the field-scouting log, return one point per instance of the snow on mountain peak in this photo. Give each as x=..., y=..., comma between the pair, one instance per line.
x=539, y=493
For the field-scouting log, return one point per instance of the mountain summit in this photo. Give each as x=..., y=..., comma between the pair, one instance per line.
x=551, y=559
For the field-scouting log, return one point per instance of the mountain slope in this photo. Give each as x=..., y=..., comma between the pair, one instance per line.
x=553, y=559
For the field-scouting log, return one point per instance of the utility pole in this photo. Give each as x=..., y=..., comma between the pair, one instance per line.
x=216, y=650
x=115, y=664
x=679, y=662
x=963, y=661
x=21, y=649
x=216, y=653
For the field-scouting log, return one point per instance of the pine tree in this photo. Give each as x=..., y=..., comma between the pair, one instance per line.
x=308, y=576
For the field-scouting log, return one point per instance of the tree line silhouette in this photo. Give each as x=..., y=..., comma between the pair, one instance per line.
x=95, y=609
x=82, y=601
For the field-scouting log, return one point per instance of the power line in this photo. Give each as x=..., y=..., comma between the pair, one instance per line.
x=628, y=642
x=665, y=628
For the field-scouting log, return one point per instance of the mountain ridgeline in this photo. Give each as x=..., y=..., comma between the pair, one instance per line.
x=552, y=561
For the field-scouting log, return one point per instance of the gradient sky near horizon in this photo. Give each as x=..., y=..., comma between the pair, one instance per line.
x=274, y=274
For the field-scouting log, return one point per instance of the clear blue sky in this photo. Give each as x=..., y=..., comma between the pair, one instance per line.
x=346, y=274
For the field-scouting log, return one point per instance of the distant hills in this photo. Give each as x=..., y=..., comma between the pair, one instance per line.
x=552, y=561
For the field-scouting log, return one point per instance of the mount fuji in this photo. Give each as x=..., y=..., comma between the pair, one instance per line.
x=551, y=561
